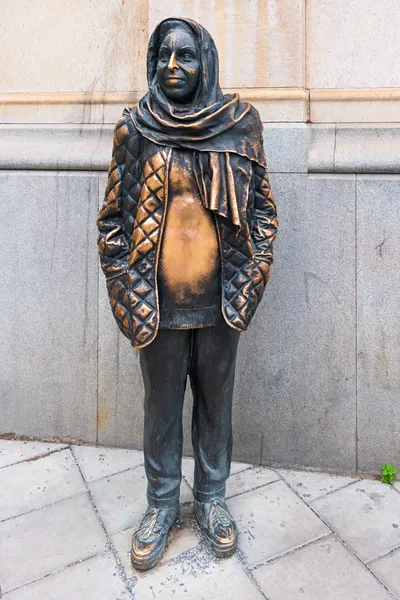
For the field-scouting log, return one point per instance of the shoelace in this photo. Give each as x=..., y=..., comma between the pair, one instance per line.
x=220, y=513
x=148, y=523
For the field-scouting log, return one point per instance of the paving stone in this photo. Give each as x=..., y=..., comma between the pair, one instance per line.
x=100, y=462
x=36, y=483
x=272, y=520
x=181, y=540
x=388, y=570
x=249, y=479
x=14, y=451
x=310, y=485
x=43, y=541
x=198, y=580
x=324, y=569
x=186, y=494
x=366, y=515
x=188, y=470
x=94, y=578
x=121, y=498
x=236, y=467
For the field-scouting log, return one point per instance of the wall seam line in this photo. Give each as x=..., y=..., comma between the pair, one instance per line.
x=98, y=326
x=356, y=310
x=334, y=149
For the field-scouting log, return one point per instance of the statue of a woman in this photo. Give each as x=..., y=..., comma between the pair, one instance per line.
x=186, y=232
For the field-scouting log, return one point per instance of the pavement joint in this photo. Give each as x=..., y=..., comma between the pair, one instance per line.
x=33, y=458
x=56, y=571
x=242, y=559
x=257, y=487
x=291, y=550
x=342, y=487
x=121, y=571
x=41, y=507
x=384, y=555
x=112, y=474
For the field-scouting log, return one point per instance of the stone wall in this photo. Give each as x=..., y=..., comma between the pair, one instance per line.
x=318, y=380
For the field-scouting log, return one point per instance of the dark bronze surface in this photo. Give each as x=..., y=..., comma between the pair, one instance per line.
x=229, y=167
x=150, y=538
x=188, y=202
x=217, y=525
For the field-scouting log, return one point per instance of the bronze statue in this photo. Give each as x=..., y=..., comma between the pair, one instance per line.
x=185, y=243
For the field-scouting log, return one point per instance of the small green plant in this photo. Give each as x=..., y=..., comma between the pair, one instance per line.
x=388, y=474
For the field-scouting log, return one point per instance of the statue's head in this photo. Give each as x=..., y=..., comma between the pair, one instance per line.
x=178, y=61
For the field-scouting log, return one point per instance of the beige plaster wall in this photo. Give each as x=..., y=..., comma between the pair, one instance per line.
x=73, y=45
x=74, y=61
x=259, y=41
x=353, y=43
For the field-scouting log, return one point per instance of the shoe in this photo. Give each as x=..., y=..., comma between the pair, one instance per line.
x=149, y=540
x=218, y=526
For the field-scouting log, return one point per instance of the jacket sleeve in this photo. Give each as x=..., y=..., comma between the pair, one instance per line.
x=265, y=222
x=117, y=213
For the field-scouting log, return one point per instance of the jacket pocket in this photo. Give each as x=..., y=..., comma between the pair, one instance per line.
x=118, y=294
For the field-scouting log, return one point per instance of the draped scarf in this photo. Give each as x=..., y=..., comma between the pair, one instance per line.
x=215, y=126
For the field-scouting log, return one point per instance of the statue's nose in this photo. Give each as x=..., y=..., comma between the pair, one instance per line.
x=172, y=62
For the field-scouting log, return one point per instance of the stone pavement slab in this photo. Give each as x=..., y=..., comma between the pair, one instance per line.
x=121, y=498
x=248, y=480
x=366, y=515
x=14, y=451
x=323, y=570
x=273, y=520
x=182, y=539
x=310, y=486
x=198, y=579
x=388, y=571
x=102, y=462
x=186, y=494
x=37, y=483
x=42, y=541
x=236, y=467
x=93, y=579
x=53, y=545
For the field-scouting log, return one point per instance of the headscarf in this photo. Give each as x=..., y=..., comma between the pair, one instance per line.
x=212, y=124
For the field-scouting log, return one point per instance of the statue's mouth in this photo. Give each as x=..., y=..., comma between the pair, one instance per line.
x=174, y=79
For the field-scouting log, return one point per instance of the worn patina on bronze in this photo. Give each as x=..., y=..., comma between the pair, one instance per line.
x=185, y=243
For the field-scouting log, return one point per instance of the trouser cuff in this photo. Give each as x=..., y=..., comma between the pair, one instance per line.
x=207, y=496
x=162, y=502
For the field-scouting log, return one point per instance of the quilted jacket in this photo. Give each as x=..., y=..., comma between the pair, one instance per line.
x=131, y=223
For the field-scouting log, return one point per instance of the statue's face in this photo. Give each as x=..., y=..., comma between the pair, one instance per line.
x=178, y=66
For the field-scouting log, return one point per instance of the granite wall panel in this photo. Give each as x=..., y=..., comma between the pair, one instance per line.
x=378, y=321
x=48, y=312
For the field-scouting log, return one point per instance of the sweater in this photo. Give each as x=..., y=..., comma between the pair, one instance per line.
x=189, y=268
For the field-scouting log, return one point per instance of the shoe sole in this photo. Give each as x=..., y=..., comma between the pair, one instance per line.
x=221, y=551
x=145, y=565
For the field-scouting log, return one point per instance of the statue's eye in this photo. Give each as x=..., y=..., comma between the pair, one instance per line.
x=163, y=57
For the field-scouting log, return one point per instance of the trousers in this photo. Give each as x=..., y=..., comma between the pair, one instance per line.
x=208, y=357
